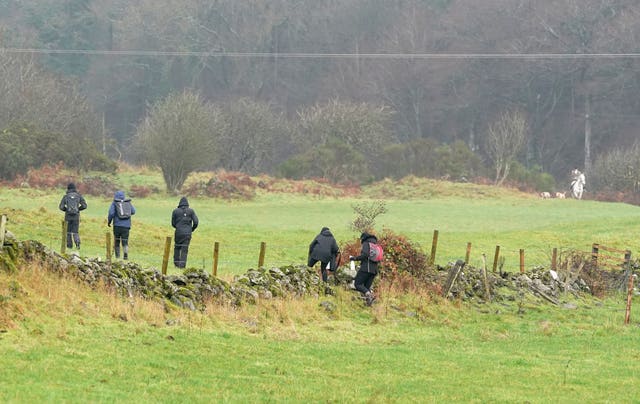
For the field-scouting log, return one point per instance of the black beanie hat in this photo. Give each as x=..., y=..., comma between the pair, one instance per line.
x=71, y=186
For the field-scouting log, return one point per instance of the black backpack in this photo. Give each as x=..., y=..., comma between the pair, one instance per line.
x=123, y=208
x=73, y=203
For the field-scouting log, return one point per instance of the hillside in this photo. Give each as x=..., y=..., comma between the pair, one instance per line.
x=68, y=336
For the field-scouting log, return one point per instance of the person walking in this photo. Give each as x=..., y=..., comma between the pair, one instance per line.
x=324, y=248
x=72, y=204
x=185, y=221
x=120, y=213
x=368, y=268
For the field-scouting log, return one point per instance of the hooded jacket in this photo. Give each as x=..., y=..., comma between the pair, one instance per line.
x=365, y=264
x=82, y=204
x=324, y=247
x=112, y=217
x=183, y=218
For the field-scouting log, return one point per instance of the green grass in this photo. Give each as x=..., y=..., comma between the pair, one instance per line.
x=63, y=342
x=79, y=351
x=289, y=222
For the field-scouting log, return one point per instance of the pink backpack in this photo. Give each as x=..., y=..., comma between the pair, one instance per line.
x=375, y=252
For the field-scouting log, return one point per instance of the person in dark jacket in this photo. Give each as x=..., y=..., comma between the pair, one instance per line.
x=121, y=224
x=368, y=269
x=324, y=248
x=185, y=221
x=71, y=204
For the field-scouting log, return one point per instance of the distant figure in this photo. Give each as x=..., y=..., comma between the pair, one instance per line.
x=368, y=268
x=324, y=248
x=185, y=221
x=578, y=181
x=71, y=204
x=561, y=195
x=120, y=213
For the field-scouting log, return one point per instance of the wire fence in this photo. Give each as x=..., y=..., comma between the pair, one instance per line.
x=227, y=259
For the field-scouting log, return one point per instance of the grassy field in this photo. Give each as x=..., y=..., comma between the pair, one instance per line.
x=462, y=213
x=63, y=342
x=72, y=344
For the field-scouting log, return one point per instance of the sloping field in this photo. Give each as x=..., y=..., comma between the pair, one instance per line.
x=61, y=341
x=484, y=216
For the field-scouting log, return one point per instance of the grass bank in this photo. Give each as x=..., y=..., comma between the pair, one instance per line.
x=62, y=341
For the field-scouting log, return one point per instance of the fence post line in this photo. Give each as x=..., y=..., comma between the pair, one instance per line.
x=521, y=261
x=627, y=258
x=107, y=236
x=466, y=257
x=165, y=257
x=216, y=249
x=263, y=248
x=3, y=229
x=594, y=254
x=554, y=259
x=63, y=245
x=627, y=314
x=434, y=247
x=495, y=258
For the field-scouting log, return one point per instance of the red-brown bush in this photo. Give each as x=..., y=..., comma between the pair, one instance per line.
x=45, y=177
x=401, y=256
x=140, y=191
x=224, y=185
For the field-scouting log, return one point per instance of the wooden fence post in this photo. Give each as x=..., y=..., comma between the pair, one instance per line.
x=554, y=259
x=627, y=258
x=487, y=291
x=63, y=245
x=3, y=229
x=627, y=314
x=216, y=249
x=434, y=247
x=495, y=258
x=594, y=254
x=466, y=257
x=108, y=240
x=521, y=261
x=263, y=248
x=165, y=257
x=451, y=279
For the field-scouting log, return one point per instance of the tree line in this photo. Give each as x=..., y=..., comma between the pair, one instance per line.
x=576, y=108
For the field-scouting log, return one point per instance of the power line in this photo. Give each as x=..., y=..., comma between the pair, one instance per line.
x=304, y=55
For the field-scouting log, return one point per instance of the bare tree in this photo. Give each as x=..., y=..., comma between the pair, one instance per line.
x=366, y=214
x=176, y=136
x=255, y=137
x=34, y=96
x=505, y=138
x=359, y=125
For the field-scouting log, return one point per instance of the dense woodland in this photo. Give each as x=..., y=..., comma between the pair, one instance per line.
x=345, y=89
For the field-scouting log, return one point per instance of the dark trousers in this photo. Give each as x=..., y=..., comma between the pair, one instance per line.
x=120, y=236
x=323, y=268
x=73, y=235
x=181, y=249
x=363, y=281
